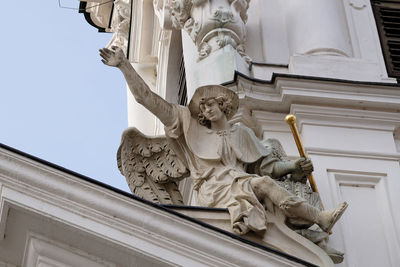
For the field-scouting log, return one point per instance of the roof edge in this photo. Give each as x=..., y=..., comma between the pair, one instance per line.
x=275, y=76
x=166, y=208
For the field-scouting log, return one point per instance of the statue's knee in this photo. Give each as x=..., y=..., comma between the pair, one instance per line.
x=268, y=181
x=257, y=183
x=261, y=185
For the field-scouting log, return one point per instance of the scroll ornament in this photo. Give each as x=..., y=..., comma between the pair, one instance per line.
x=212, y=24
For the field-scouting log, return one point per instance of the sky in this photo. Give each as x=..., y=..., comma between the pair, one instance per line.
x=58, y=101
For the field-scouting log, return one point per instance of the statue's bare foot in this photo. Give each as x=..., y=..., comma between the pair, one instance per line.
x=330, y=217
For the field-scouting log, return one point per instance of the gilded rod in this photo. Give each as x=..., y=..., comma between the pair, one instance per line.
x=291, y=120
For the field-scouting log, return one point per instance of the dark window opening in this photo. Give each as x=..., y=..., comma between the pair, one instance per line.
x=182, y=92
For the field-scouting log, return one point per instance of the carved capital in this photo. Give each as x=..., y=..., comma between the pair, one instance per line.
x=180, y=11
x=212, y=24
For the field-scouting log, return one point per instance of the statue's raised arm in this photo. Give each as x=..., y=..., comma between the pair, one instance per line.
x=142, y=93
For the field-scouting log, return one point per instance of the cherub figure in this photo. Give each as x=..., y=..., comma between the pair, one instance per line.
x=218, y=155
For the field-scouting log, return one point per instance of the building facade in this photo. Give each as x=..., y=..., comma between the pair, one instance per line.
x=334, y=64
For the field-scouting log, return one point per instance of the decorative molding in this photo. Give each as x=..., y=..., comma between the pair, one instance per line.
x=284, y=90
x=212, y=25
x=346, y=117
x=352, y=154
x=41, y=251
x=358, y=4
x=271, y=121
x=345, y=185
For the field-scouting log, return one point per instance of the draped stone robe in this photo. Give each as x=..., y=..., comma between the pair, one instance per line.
x=217, y=161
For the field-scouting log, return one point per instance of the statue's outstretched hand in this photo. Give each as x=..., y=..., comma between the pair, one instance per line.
x=112, y=58
x=303, y=167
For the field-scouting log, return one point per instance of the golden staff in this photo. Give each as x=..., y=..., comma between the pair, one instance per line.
x=291, y=120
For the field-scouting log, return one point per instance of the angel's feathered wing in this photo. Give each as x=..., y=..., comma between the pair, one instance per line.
x=151, y=167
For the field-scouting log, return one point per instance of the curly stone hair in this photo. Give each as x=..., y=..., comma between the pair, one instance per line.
x=225, y=104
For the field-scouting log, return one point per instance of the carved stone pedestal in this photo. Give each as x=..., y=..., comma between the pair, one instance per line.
x=277, y=236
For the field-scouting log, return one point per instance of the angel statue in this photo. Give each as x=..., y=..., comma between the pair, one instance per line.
x=230, y=167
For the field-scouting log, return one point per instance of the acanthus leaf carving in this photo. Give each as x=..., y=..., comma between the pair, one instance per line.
x=212, y=24
x=223, y=16
x=180, y=12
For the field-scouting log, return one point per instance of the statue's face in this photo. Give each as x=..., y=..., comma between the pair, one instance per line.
x=211, y=110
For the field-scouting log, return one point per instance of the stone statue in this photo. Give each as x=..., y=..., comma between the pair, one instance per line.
x=230, y=167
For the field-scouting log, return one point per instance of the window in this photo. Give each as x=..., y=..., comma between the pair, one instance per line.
x=387, y=17
x=182, y=91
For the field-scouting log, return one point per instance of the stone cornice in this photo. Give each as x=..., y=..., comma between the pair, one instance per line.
x=346, y=117
x=97, y=13
x=352, y=154
x=283, y=90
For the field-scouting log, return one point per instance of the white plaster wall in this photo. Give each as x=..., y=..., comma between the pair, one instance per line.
x=364, y=35
x=356, y=160
x=317, y=27
x=354, y=143
x=266, y=32
x=322, y=38
x=368, y=232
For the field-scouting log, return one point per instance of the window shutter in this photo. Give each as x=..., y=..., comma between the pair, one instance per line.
x=387, y=17
x=182, y=92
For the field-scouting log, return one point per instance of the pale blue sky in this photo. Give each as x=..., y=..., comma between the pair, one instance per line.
x=58, y=101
